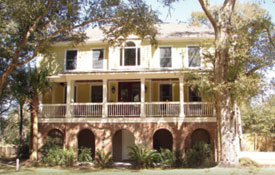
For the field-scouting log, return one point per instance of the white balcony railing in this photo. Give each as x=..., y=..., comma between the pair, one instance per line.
x=53, y=110
x=86, y=109
x=125, y=109
x=129, y=109
x=162, y=109
x=198, y=109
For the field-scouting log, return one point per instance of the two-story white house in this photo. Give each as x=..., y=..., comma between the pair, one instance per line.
x=109, y=98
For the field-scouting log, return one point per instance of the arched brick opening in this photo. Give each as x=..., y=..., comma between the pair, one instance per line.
x=56, y=136
x=162, y=139
x=200, y=135
x=121, y=141
x=86, y=139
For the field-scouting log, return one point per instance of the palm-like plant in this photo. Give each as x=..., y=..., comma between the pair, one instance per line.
x=103, y=160
x=144, y=157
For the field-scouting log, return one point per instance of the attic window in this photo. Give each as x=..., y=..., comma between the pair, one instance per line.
x=130, y=55
x=71, y=59
x=194, y=58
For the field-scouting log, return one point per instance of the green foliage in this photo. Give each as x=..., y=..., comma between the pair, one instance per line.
x=53, y=155
x=143, y=157
x=180, y=159
x=85, y=155
x=167, y=158
x=259, y=117
x=29, y=28
x=201, y=155
x=103, y=160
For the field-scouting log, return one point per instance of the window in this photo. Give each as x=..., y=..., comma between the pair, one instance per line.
x=97, y=94
x=98, y=56
x=130, y=55
x=194, y=95
x=165, y=57
x=71, y=57
x=194, y=58
x=165, y=92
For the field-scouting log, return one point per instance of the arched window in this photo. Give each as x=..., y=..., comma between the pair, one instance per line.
x=56, y=136
x=130, y=55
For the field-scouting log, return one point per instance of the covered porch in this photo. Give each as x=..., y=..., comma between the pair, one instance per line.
x=121, y=97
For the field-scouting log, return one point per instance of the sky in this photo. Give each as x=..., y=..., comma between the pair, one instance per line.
x=182, y=10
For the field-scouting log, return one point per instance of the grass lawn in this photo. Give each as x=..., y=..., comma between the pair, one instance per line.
x=9, y=170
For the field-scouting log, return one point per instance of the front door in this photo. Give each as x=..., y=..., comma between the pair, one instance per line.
x=129, y=91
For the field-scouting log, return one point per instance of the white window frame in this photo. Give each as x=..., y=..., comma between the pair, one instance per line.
x=65, y=59
x=123, y=54
x=187, y=57
x=103, y=60
x=171, y=56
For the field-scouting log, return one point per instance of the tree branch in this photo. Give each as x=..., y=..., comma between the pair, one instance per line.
x=259, y=67
x=270, y=37
x=205, y=7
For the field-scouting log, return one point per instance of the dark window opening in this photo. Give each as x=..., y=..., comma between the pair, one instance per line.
x=71, y=59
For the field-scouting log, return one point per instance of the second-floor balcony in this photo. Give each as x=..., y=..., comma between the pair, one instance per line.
x=128, y=109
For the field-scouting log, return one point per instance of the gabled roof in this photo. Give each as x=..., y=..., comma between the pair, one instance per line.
x=165, y=31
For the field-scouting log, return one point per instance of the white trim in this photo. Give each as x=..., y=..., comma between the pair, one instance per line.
x=137, y=46
x=65, y=59
x=104, y=58
x=187, y=57
x=172, y=55
x=131, y=120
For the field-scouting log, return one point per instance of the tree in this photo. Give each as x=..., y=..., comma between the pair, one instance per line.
x=19, y=90
x=238, y=55
x=28, y=28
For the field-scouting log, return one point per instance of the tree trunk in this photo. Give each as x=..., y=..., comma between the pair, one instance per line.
x=21, y=122
x=34, y=128
x=229, y=141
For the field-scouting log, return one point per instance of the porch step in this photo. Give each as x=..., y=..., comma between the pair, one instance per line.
x=122, y=165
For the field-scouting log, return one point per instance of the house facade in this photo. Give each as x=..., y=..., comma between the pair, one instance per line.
x=109, y=98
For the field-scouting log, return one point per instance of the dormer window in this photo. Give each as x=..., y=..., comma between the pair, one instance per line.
x=194, y=58
x=130, y=54
x=71, y=58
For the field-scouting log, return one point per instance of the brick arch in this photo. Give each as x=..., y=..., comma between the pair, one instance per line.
x=163, y=138
x=121, y=140
x=200, y=135
x=86, y=138
x=56, y=135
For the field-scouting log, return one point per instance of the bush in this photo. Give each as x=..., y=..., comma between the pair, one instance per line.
x=168, y=158
x=103, y=160
x=23, y=151
x=143, y=157
x=85, y=155
x=53, y=155
x=180, y=159
x=200, y=155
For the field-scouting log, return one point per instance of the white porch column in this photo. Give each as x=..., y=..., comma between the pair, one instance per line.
x=181, y=84
x=142, y=97
x=70, y=97
x=104, y=101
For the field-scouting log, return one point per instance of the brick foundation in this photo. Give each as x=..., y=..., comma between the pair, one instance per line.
x=143, y=133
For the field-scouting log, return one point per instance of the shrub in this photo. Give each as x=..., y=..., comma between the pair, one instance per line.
x=143, y=157
x=103, y=160
x=200, y=155
x=85, y=155
x=53, y=155
x=180, y=159
x=23, y=151
x=168, y=158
